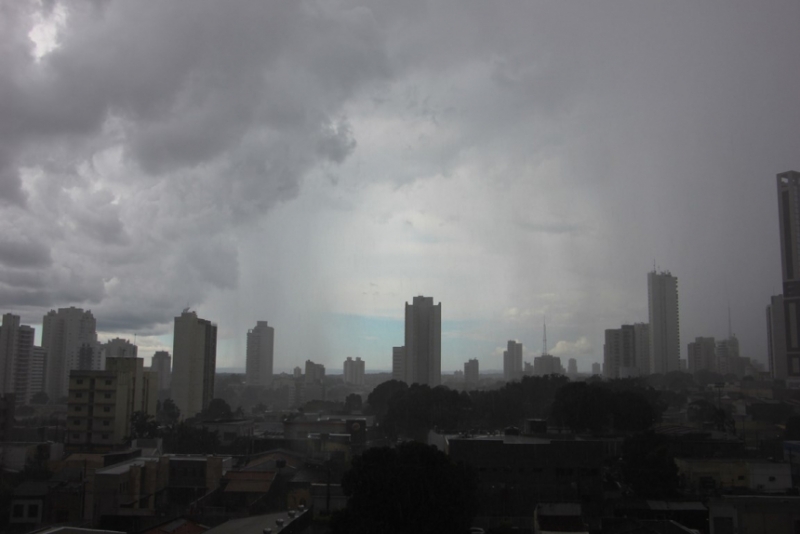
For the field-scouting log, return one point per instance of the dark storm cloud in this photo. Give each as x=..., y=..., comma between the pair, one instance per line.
x=15, y=252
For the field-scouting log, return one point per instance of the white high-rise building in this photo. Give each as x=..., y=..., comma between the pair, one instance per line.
x=423, y=348
x=512, y=361
x=260, y=345
x=69, y=336
x=162, y=364
x=665, y=351
x=789, y=220
x=354, y=371
x=194, y=353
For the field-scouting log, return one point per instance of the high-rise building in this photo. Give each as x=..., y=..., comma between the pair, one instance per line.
x=66, y=334
x=315, y=372
x=512, y=361
x=260, y=344
x=36, y=370
x=399, y=364
x=120, y=348
x=624, y=351
x=547, y=364
x=702, y=354
x=789, y=221
x=728, y=356
x=664, y=331
x=471, y=372
x=776, y=338
x=641, y=342
x=423, y=361
x=16, y=347
x=354, y=371
x=194, y=353
x=162, y=364
x=596, y=370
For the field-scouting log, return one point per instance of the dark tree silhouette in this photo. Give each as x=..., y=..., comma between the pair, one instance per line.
x=378, y=399
x=217, y=409
x=143, y=426
x=413, y=488
x=352, y=403
x=169, y=413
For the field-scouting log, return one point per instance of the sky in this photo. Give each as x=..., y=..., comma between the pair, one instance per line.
x=317, y=164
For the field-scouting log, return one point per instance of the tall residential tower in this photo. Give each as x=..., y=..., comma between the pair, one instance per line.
x=664, y=331
x=789, y=220
x=423, y=348
x=69, y=336
x=260, y=344
x=194, y=361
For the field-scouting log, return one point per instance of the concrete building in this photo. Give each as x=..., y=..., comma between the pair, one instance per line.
x=664, y=331
x=66, y=335
x=596, y=370
x=471, y=373
x=260, y=346
x=399, y=364
x=572, y=367
x=16, y=351
x=162, y=364
x=641, y=343
x=36, y=371
x=354, y=371
x=776, y=338
x=620, y=356
x=512, y=361
x=195, y=357
x=728, y=359
x=423, y=342
x=702, y=354
x=789, y=220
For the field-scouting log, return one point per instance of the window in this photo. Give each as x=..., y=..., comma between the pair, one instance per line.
x=79, y=395
x=108, y=395
x=741, y=477
x=19, y=510
x=79, y=381
x=106, y=423
x=772, y=479
x=33, y=510
x=106, y=408
x=76, y=422
x=108, y=382
x=78, y=408
x=105, y=436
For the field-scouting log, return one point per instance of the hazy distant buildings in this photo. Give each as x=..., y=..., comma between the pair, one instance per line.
x=260, y=346
x=162, y=364
x=120, y=348
x=662, y=292
x=512, y=361
x=728, y=359
x=315, y=372
x=789, y=220
x=354, y=371
x=596, y=369
x=423, y=347
x=68, y=334
x=194, y=353
x=471, y=372
x=547, y=364
x=625, y=351
x=572, y=367
x=702, y=355
x=776, y=338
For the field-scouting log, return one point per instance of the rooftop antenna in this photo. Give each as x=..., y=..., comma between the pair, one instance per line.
x=544, y=341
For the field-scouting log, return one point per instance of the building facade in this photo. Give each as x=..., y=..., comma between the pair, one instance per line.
x=16, y=353
x=120, y=348
x=260, y=346
x=512, y=361
x=664, y=331
x=399, y=364
x=195, y=358
x=776, y=338
x=423, y=342
x=67, y=334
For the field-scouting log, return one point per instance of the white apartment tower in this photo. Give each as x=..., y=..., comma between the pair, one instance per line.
x=789, y=220
x=423, y=347
x=260, y=345
x=512, y=361
x=194, y=353
x=69, y=335
x=662, y=293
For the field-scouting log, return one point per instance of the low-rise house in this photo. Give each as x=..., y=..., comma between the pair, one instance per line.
x=711, y=475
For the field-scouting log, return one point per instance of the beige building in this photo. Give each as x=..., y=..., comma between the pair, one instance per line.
x=101, y=404
x=194, y=363
x=260, y=345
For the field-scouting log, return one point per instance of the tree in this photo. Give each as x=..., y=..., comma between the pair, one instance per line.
x=40, y=398
x=378, y=399
x=169, y=413
x=352, y=403
x=143, y=426
x=217, y=409
x=412, y=488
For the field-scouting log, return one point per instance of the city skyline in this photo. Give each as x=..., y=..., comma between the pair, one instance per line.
x=534, y=164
